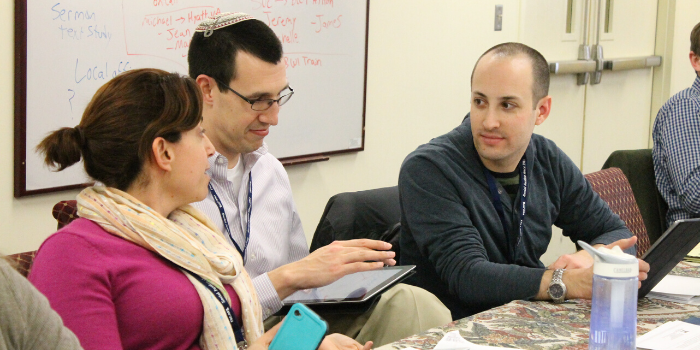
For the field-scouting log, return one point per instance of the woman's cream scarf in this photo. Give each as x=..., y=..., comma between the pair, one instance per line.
x=190, y=240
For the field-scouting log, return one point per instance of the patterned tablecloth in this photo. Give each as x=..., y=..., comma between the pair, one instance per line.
x=544, y=325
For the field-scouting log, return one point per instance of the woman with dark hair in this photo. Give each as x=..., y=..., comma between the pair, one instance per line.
x=141, y=269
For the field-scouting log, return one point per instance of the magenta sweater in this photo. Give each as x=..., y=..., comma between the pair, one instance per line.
x=114, y=294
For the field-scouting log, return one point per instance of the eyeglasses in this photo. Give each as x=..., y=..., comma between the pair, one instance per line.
x=262, y=104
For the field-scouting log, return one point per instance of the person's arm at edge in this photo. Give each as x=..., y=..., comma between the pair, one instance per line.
x=40, y=327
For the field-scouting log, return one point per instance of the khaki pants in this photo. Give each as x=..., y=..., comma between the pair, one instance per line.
x=402, y=311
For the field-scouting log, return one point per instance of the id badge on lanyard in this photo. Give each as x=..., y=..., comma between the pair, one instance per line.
x=237, y=329
x=496, y=199
x=220, y=205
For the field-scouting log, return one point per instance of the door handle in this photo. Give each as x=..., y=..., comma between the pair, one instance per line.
x=572, y=67
x=632, y=63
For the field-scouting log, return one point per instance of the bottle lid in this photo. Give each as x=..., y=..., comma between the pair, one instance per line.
x=612, y=262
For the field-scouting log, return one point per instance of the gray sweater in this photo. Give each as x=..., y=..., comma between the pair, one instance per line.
x=26, y=319
x=451, y=230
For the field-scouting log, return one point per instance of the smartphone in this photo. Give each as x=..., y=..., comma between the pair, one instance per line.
x=302, y=329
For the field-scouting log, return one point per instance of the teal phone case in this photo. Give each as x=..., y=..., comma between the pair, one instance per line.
x=302, y=329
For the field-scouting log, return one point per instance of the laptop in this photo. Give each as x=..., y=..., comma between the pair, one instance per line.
x=668, y=251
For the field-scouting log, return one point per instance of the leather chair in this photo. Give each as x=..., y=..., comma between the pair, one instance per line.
x=373, y=214
x=612, y=186
x=638, y=167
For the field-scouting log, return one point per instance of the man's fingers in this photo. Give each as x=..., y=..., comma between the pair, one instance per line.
x=561, y=263
x=389, y=262
x=368, y=345
x=643, y=269
x=361, y=267
x=643, y=266
x=364, y=243
x=367, y=255
x=557, y=265
x=624, y=243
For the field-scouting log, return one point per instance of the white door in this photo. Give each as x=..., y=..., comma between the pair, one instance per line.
x=618, y=109
x=592, y=120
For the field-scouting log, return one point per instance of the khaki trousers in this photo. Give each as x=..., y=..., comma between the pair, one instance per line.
x=402, y=311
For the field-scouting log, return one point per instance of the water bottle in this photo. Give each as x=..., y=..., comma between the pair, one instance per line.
x=614, y=299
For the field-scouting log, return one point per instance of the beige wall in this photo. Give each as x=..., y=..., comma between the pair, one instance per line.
x=420, y=58
x=676, y=19
x=25, y=222
x=682, y=74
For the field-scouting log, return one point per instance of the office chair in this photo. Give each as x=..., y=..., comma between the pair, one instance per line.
x=612, y=186
x=638, y=167
x=373, y=214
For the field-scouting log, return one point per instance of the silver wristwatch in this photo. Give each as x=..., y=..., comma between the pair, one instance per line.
x=557, y=288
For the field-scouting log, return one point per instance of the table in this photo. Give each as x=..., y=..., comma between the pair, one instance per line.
x=544, y=325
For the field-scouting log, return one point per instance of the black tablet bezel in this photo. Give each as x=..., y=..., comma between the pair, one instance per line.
x=404, y=272
x=668, y=251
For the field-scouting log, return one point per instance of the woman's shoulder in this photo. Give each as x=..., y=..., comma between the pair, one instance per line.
x=82, y=231
x=86, y=242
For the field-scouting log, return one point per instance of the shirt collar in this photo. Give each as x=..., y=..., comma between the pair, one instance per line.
x=696, y=84
x=218, y=164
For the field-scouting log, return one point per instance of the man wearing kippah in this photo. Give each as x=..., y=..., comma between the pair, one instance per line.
x=236, y=61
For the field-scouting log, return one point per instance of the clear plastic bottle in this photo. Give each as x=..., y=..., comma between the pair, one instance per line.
x=614, y=300
x=613, y=313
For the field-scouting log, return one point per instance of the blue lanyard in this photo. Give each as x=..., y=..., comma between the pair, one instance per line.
x=220, y=205
x=496, y=199
x=237, y=329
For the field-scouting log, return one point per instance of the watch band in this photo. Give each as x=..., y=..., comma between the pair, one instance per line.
x=558, y=273
x=557, y=288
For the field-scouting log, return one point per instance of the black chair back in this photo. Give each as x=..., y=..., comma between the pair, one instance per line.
x=373, y=214
x=638, y=167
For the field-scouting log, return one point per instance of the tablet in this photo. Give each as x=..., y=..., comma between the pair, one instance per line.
x=358, y=287
x=668, y=251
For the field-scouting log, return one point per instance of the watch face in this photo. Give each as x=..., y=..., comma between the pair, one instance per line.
x=556, y=291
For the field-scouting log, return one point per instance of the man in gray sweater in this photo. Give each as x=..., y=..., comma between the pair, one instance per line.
x=479, y=202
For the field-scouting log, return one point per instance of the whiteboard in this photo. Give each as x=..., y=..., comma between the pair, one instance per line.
x=73, y=47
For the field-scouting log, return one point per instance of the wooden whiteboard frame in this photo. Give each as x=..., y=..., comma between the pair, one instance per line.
x=20, y=111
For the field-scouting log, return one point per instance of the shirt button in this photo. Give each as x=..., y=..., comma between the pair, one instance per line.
x=219, y=161
x=500, y=192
